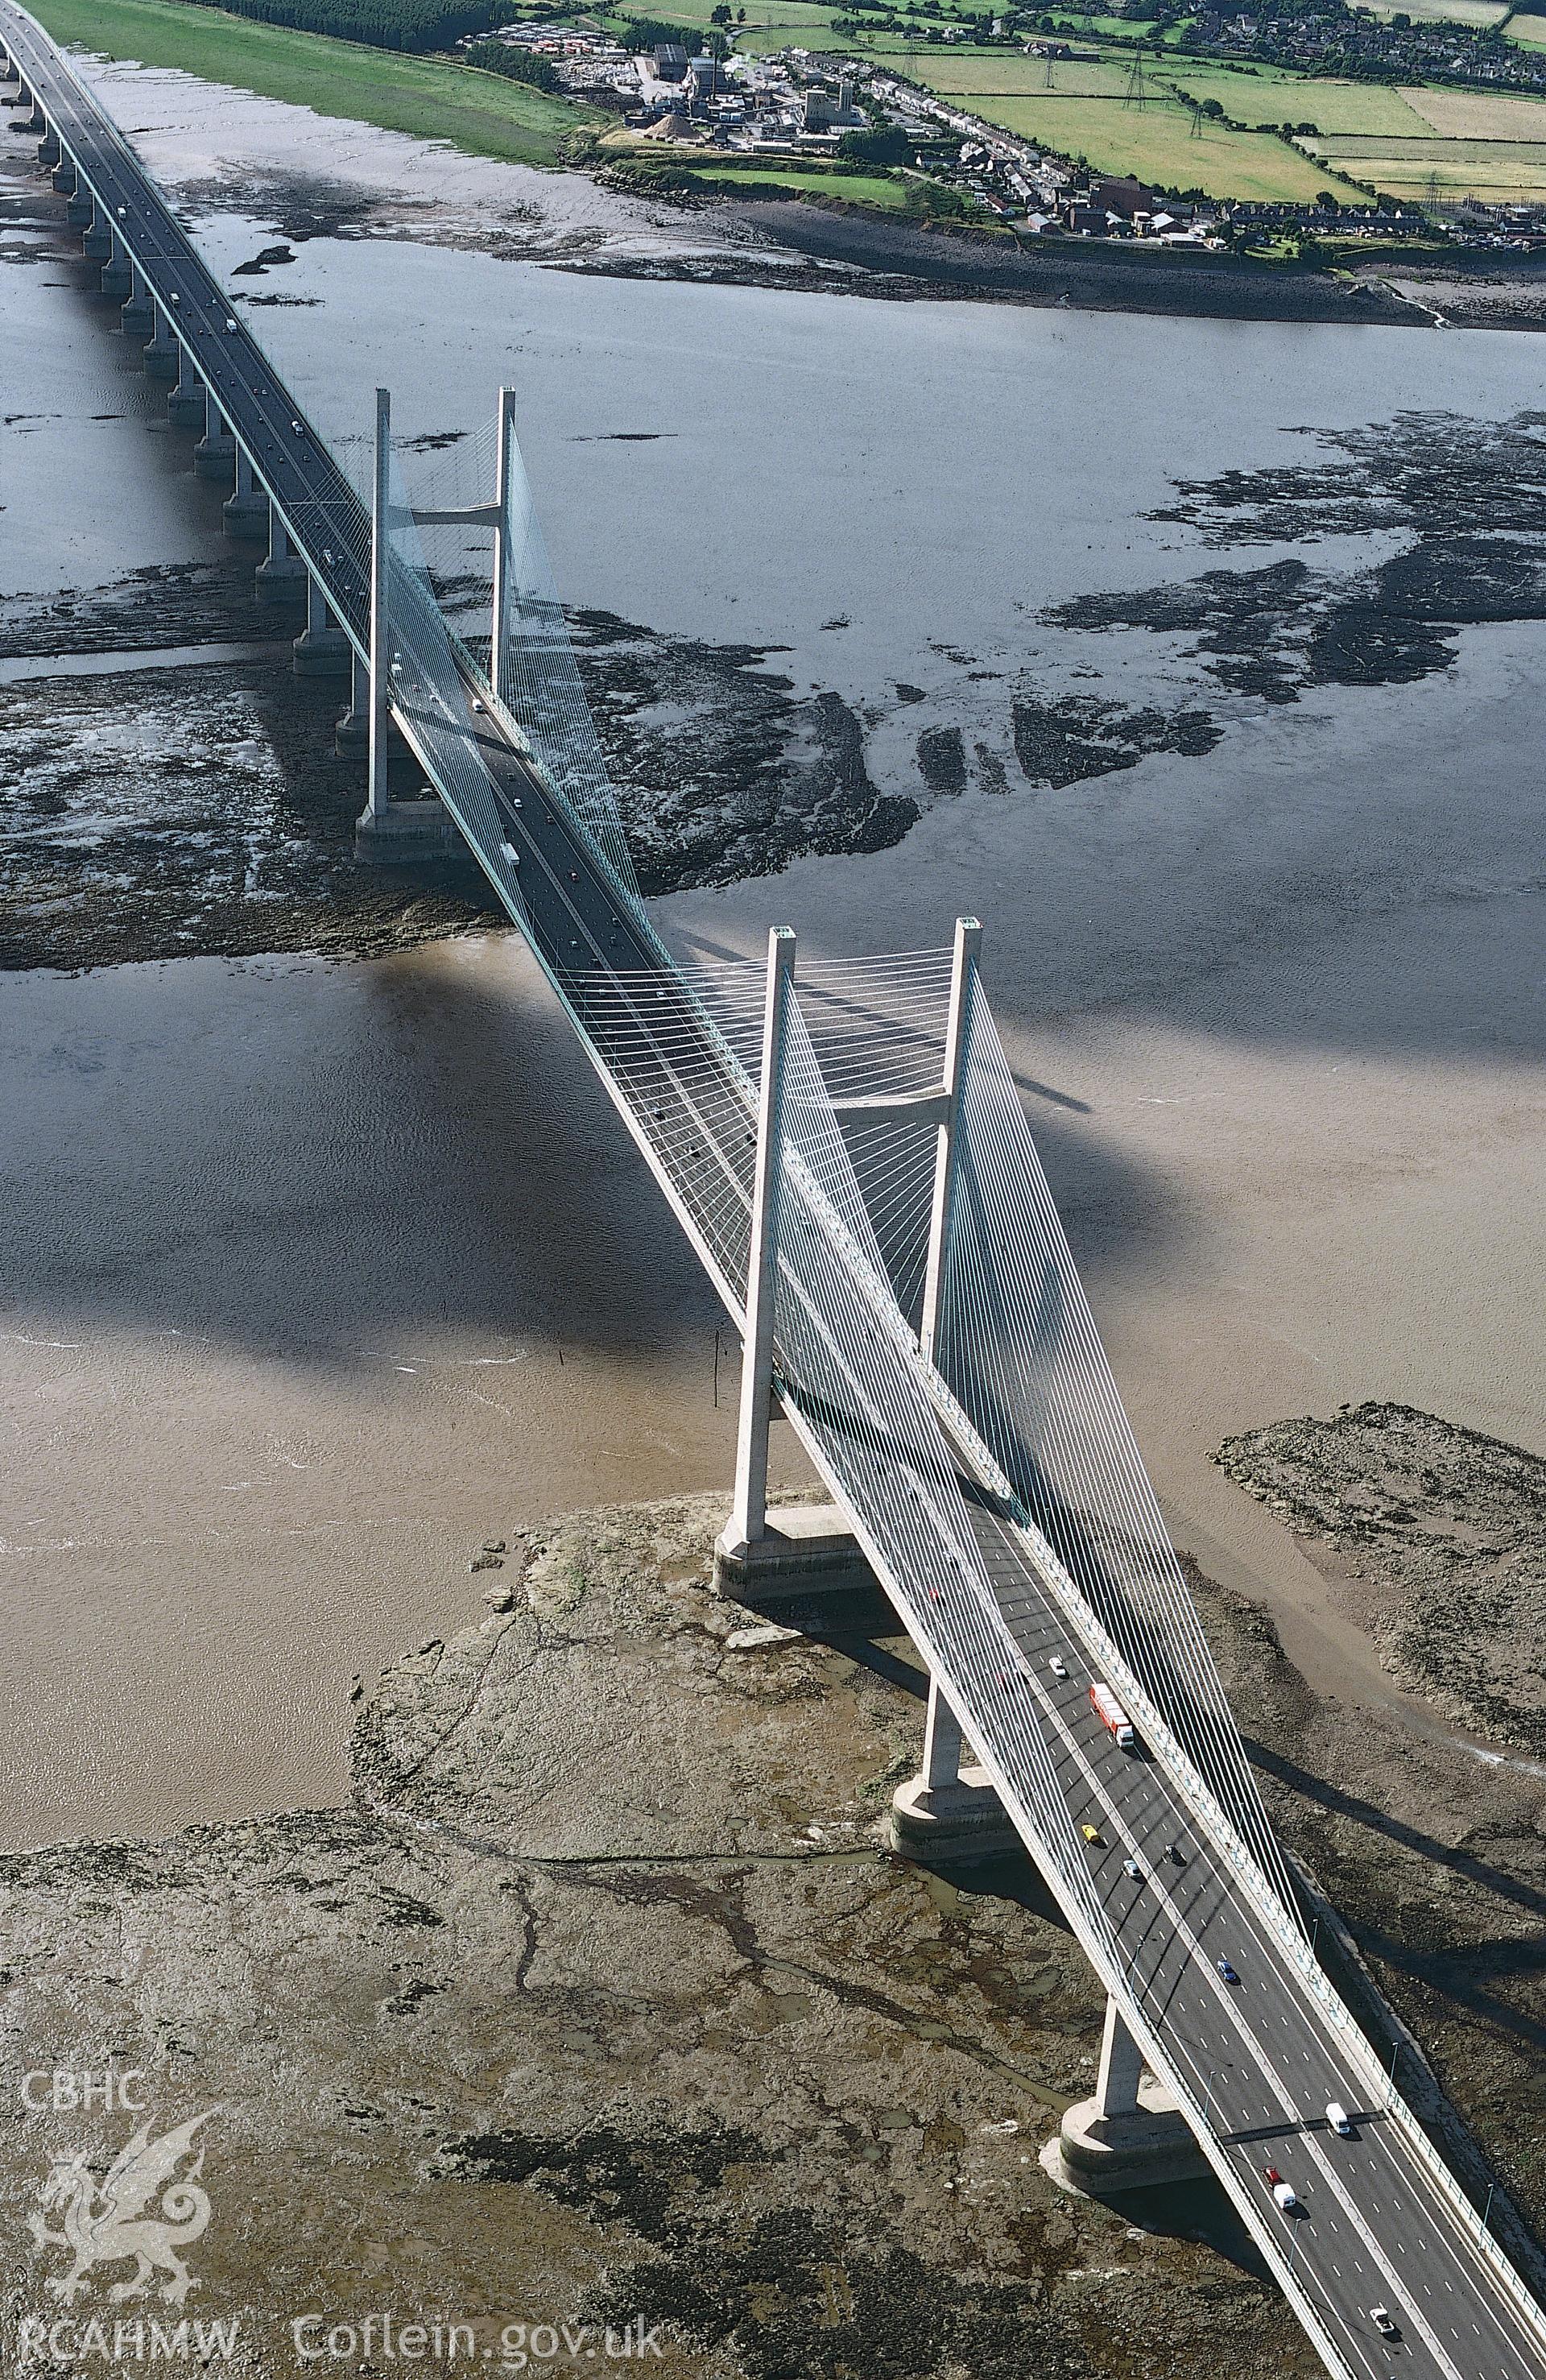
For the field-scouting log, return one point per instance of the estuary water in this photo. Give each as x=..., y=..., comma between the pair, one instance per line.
x=317, y=1275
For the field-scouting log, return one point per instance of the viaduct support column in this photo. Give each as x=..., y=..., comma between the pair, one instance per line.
x=949, y=1810
x=138, y=318
x=188, y=404
x=215, y=458
x=97, y=243
x=117, y=272
x=79, y=211
x=321, y=650
x=245, y=513
x=353, y=731
x=282, y=577
x=163, y=358
x=1130, y=2134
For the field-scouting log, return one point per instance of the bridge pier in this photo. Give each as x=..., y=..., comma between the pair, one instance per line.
x=1130, y=2134
x=137, y=319
x=49, y=151
x=323, y=650
x=949, y=1811
x=63, y=177
x=245, y=513
x=118, y=274
x=187, y=405
x=282, y=577
x=215, y=455
x=352, y=733
x=97, y=242
x=162, y=356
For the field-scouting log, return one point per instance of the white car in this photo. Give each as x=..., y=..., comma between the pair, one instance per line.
x=1059, y=1667
x=230, y=322
x=1338, y=2118
x=1381, y=2317
x=1285, y=2197
x=1131, y=1867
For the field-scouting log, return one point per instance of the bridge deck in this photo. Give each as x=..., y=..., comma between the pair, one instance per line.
x=1260, y=2059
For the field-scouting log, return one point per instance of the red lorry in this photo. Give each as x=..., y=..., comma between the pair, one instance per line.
x=1111, y=1715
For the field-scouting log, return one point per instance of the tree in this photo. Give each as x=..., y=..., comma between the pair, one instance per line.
x=886, y=145
x=722, y=15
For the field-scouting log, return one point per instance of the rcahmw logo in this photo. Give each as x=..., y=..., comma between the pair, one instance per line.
x=143, y=2211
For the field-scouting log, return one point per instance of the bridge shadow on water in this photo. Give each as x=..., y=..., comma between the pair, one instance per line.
x=290, y=1155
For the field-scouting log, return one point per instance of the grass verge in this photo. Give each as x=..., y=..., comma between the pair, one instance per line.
x=427, y=96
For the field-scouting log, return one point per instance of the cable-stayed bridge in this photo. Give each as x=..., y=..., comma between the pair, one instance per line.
x=845, y=1146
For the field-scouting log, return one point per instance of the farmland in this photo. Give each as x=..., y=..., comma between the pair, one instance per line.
x=1421, y=143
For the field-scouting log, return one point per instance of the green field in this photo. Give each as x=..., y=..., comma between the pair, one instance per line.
x=866, y=189
x=1473, y=13
x=1158, y=143
x=481, y=113
x=1530, y=30
x=1272, y=97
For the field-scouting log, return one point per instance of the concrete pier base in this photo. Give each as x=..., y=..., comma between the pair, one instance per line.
x=117, y=281
x=807, y=1550
x=245, y=515
x=324, y=652
x=77, y=214
x=1097, y=2156
x=184, y=406
x=162, y=356
x=949, y=1810
x=281, y=578
x=402, y=832
x=215, y=457
x=962, y=1820
x=136, y=320
x=352, y=733
x=63, y=177
x=1130, y=2134
x=97, y=244
x=48, y=151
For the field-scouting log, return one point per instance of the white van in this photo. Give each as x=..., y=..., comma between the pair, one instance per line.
x=1338, y=2118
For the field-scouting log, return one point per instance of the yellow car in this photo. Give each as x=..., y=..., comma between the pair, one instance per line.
x=1092, y=1834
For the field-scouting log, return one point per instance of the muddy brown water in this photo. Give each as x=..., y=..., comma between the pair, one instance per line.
x=315, y=1275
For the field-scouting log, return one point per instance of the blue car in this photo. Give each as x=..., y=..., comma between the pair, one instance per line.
x=1228, y=1972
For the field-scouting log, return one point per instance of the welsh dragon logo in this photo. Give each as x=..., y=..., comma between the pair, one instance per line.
x=103, y=2225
